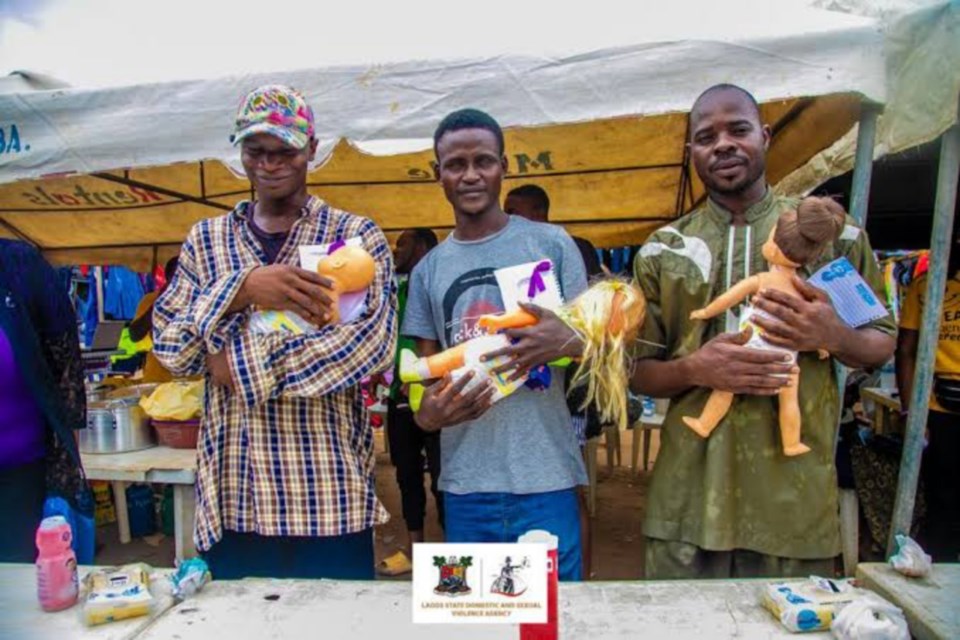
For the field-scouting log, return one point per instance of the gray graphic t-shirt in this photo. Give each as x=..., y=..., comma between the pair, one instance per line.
x=524, y=443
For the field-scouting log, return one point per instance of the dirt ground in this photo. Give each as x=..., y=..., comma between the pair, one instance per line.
x=617, y=542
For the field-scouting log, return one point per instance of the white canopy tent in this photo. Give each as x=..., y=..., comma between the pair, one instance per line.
x=120, y=174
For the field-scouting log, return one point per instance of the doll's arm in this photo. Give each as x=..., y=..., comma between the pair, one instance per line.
x=513, y=320
x=729, y=298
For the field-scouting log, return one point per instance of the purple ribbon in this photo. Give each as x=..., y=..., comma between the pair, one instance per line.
x=336, y=246
x=536, y=280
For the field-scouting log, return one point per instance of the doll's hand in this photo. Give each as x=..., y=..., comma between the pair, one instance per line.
x=699, y=314
x=445, y=404
x=808, y=323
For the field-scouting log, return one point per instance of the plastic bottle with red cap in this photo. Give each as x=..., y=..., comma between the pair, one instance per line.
x=550, y=629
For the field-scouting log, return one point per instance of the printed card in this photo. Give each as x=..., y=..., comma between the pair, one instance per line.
x=852, y=297
x=534, y=282
x=479, y=583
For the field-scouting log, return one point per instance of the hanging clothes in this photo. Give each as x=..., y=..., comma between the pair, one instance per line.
x=86, y=305
x=122, y=291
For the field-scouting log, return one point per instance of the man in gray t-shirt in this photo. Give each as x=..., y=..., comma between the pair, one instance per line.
x=512, y=466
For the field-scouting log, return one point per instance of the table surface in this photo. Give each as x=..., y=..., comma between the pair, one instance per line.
x=930, y=604
x=654, y=421
x=301, y=608
x=156, y=464
x=21, y=616
x=887, y=397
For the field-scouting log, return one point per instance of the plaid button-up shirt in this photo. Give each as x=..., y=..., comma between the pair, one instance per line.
x=290, y=451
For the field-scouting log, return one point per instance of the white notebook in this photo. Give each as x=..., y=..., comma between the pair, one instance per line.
x=534, y=282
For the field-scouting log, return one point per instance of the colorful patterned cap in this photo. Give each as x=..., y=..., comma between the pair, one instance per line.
x=280, y=111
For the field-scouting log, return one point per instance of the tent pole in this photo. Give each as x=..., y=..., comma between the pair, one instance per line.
x=859, y=201
x=943, y=212
x=859, y=198
x=98, y=283
x=863, y=165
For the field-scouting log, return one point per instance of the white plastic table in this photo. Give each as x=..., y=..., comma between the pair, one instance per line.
x=929, y=604
x=678, y=610
x=158, y=464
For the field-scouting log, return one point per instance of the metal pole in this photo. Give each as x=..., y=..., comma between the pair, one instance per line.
x=943, y=212
x=859, y=199
x=863, y=165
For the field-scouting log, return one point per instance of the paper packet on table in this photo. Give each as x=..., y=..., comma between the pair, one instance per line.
x=117, y=593
x=808, y=605
x=351, y=305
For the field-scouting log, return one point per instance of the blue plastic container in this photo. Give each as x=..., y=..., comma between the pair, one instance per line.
x=143, y=519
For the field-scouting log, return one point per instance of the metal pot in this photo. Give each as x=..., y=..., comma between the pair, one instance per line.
x=115, y=426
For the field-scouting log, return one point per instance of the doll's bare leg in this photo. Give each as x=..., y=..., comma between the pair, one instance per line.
x=414, y=369
x=717, y=406
x=790, y=418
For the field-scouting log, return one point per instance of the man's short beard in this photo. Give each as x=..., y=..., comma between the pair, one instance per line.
x=740, y=188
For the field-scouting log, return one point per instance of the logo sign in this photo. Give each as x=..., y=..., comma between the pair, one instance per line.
x=479, y=583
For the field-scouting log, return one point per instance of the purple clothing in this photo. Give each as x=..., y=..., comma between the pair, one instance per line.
x=22, y=430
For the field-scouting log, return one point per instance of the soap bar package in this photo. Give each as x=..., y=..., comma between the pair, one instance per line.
x=808, y=605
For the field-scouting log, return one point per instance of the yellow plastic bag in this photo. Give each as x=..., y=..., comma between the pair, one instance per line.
x=174, y=401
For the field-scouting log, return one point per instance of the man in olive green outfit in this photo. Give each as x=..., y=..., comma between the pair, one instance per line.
x=733, y=505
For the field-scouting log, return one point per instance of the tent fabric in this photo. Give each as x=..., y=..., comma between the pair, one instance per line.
x=119, y=175
x=922, y=59
x=612, y=181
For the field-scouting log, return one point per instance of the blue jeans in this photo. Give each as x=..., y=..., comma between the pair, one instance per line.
x=504, y=517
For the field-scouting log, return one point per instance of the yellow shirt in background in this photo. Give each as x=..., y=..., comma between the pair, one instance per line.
x=947, y=362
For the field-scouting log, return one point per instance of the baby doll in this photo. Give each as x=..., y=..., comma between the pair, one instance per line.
x=352, y=270
x=798, y=238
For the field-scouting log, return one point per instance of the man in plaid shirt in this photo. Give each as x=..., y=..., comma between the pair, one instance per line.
x=285, y=481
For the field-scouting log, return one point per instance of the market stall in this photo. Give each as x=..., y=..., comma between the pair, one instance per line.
x=89, y=193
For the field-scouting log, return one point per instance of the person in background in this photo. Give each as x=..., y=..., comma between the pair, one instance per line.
x=42, y=399
x=531, y=201
x=940, y=533
x=410, y=446
x=285, y=474
x=142, y=326
x=513, y=466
